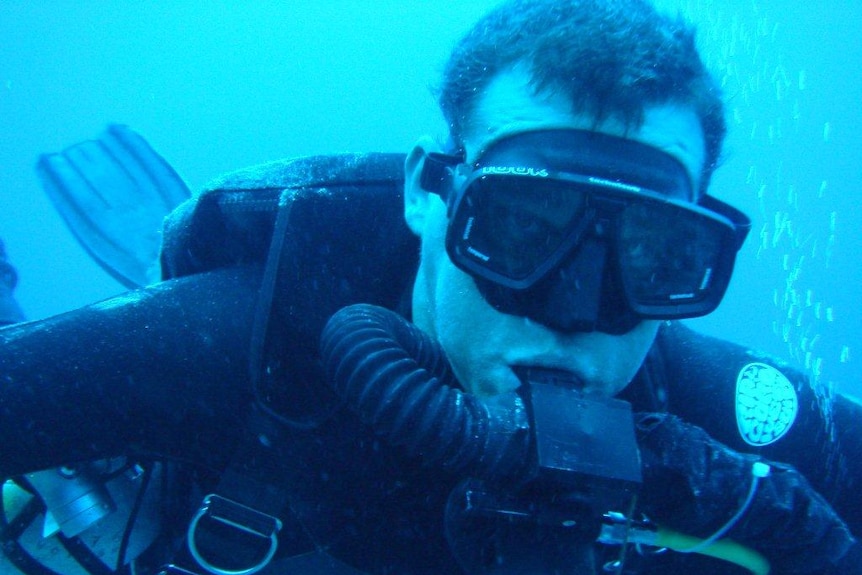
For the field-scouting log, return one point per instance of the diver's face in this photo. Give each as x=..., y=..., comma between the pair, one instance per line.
x=482, y=343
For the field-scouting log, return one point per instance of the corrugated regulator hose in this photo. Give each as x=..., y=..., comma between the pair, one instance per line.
x=400, y=383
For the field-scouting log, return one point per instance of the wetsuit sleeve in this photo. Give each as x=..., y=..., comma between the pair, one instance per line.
x=693, y=484
x=847, y=413
x=162, y=370
x=824, y=441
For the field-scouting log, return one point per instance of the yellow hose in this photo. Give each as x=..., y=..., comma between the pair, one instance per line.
x=724, y=549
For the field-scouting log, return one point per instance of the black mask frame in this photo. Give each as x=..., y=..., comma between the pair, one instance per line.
x=621, y=210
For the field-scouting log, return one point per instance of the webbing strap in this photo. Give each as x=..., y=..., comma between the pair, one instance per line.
x=247, y=520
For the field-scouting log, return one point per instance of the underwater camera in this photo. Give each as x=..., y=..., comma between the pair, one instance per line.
x=586, y=469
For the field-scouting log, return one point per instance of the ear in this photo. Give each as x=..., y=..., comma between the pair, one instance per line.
x=417, y=200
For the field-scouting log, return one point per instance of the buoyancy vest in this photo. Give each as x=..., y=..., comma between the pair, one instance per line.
x=344, y=241
x=347, y=243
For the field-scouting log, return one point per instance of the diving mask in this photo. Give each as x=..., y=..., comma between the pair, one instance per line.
x=581, y=230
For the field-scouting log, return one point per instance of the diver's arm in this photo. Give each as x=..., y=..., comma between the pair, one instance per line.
x=161, y=370
x=825, y=445
x=846, y=498
x=696, y=485
x=824, y=442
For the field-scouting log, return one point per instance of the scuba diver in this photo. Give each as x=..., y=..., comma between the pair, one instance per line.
x=467, y=359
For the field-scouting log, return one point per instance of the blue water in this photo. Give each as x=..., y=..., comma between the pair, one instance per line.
x=215, y=88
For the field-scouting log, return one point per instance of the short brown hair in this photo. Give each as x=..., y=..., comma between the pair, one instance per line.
x=611, y=58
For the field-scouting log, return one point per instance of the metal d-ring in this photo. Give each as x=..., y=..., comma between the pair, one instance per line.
x=240, y=517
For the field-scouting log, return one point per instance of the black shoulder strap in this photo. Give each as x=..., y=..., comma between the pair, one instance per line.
x=317, y=226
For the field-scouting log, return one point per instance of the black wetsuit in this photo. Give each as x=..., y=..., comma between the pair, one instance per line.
x=344, y=242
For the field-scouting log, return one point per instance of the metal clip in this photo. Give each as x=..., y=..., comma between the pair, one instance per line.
x=245, y=520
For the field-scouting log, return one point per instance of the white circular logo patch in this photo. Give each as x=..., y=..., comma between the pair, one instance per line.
x=766, y=404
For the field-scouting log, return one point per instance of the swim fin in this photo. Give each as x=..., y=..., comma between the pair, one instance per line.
x=113, y=193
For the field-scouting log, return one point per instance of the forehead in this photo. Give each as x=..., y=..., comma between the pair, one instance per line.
x=509, y=106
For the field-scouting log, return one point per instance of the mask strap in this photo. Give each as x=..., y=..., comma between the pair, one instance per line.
x=435, y=171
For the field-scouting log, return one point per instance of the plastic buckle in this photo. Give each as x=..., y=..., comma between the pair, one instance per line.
x=228, y=519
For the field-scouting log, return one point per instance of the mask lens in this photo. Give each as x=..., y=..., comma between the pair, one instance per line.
x=512, y=226
x=669, y=255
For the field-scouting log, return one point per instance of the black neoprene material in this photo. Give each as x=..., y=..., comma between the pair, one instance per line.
x=163, y=370
x=158, y=370
x=399, y=381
